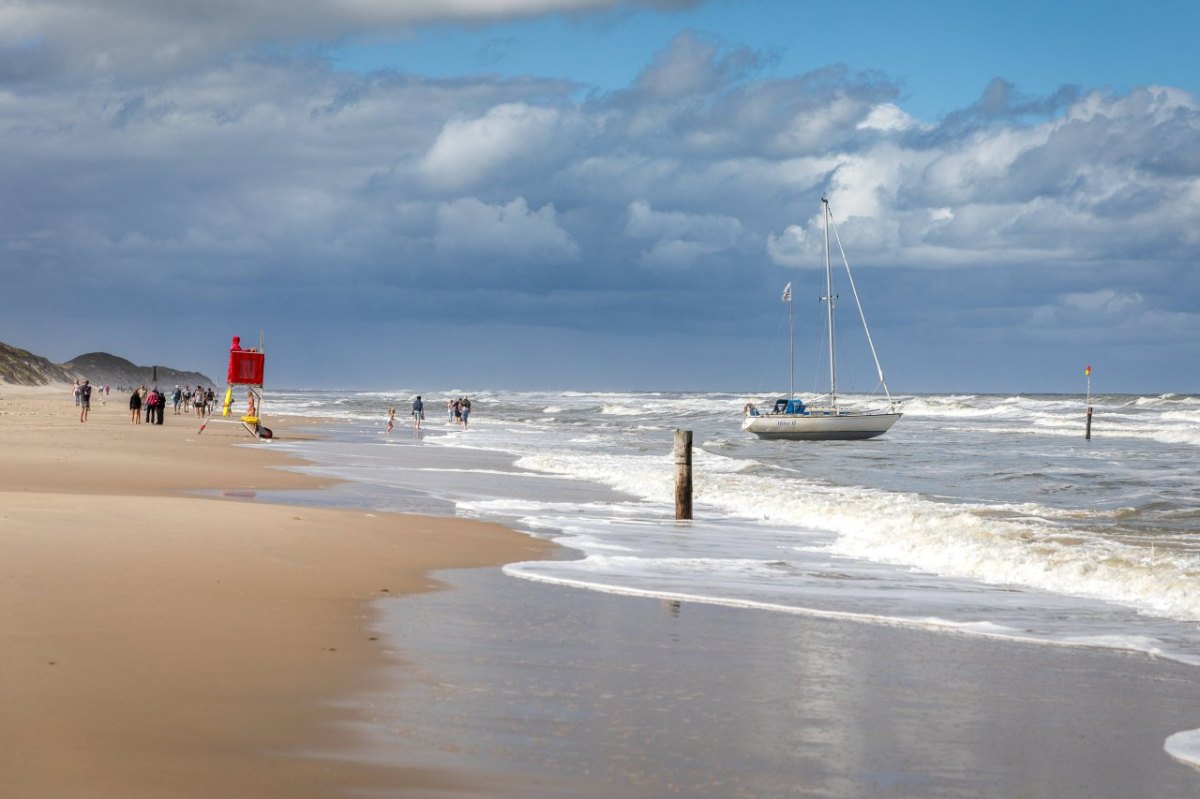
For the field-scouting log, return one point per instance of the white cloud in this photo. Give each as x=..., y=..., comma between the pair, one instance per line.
x=471, y=229
x=467, y=151
x=807, y=131
x=792, y=247
x=680, y=239
x=889, y=118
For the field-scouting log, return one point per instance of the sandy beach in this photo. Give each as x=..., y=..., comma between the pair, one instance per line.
x=167, y=632
x=161, y=644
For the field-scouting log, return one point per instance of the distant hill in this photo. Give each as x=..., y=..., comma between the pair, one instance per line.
x=102, y=368
x=26, y=369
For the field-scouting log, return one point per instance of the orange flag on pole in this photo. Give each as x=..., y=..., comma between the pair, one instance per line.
x=1088, y=371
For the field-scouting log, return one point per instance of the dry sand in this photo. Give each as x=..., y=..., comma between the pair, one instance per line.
x=156, y=644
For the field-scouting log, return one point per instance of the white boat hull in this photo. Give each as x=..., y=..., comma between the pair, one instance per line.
x=819, y=426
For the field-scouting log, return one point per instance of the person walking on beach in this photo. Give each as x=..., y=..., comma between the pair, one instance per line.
x=391, y=419
x=177, y=398
x=152, y=400
x=85, y=400
x=418, y=412
x=466, y=410
x=135, y=407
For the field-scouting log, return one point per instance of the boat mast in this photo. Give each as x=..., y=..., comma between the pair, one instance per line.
x=829, y=299
x=791, y=345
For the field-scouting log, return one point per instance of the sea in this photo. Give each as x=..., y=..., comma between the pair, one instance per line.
x=979, y=515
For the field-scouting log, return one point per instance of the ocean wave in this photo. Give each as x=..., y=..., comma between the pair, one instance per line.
x=940, y=503
x=1184, y=747
x=1024, y=546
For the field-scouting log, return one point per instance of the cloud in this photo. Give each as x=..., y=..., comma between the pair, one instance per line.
x=508, y=136
x=140, y=37
x=889, y=118
x=1103, y=301
x=207, y=185
x=680, y=239
x=692, y=66
x=697, y=98
x=471, y=229
x=286, y=161
x=792, y=247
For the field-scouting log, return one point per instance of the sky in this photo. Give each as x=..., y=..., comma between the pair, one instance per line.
x=606, y=194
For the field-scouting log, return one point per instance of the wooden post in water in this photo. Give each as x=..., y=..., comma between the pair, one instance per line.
x=683, y=474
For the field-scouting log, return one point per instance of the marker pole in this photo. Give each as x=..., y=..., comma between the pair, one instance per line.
x=1087, y=436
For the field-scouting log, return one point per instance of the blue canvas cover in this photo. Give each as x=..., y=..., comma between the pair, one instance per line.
x=789, y=406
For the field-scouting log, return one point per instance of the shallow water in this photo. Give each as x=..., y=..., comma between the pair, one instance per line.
x=635, y=697
x=987, y=515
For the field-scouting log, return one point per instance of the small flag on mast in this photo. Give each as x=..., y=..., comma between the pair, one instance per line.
x=1088, y=371
x=787, y=295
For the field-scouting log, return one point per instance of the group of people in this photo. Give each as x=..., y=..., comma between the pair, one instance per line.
x=458, y=410
x=152, y=402
x=149, y=404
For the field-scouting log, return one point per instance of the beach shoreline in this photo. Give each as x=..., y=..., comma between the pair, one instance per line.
x=159, y=643
x=700, y=695
x=174, y=628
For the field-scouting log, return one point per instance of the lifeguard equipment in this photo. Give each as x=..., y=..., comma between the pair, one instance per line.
x=246, y=368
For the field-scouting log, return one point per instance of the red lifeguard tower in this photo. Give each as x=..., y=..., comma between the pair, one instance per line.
x=245, y=366
x=246, y=369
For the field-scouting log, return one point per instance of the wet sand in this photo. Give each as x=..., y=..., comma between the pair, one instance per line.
x=639, y=697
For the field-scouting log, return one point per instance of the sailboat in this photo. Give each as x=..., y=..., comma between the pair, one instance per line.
x=788, y=417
